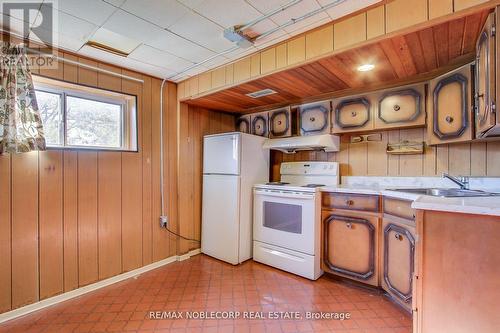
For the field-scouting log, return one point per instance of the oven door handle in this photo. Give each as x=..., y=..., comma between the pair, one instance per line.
x=285, y=195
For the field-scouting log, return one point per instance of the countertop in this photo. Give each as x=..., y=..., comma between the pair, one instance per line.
x=469, y=205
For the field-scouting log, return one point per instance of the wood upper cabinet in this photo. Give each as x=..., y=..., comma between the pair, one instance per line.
x=450, y=107
x=485, y=85
x=402, y=107
x=398, y=259
x=260, y=124
x=280, y=123
x=350, y=244
x=314, y=118
x=352, y=114
x=243, y=124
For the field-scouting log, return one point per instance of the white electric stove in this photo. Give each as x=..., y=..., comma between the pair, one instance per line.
x=287, y=217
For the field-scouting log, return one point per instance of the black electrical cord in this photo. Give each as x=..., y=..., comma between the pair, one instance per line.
x=185, y=238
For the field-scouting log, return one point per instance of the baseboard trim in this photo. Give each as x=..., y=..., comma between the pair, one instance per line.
x=92, y=287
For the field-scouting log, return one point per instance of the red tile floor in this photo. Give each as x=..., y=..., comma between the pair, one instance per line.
x=205, y=284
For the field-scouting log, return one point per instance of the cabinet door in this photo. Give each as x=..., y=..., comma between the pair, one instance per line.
x=315, y=118
x=485, y=78
x=450, y=107
x=350, y=246
x=280, y=123
x=401, y=108
x=398, y=256
x=259, y=124
x=243, y=124
x=353, y=114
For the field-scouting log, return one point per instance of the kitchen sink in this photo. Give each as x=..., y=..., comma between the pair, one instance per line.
x=446, y=192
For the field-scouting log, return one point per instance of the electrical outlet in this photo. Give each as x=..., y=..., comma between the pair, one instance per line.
x=163, y=221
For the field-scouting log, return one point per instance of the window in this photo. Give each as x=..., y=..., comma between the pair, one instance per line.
x=76, y=116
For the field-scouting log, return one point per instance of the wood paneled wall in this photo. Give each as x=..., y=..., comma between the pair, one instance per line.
x=371, y=159
x=195, y=122
x=69, y=218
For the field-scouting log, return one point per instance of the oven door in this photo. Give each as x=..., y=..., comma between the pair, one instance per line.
x=285, y=219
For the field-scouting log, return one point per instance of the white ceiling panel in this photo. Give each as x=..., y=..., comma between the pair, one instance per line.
x=95, y=11
x=173, y=44
x=227, y=13
x=266, y=6
x=308, y=23
x=19, y=14
x=191, y=3
x=295, y=11
x=116, y=3
x=346, y=7
x=202, y=31
x=161, y=12
x=132, y=26
x=71, y=26
x=16, y=26
x=153, y=56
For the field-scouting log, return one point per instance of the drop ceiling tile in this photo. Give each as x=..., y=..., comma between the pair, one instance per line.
x=191, y=3
x=19, y=14
x=116, y=3
x=202, y=31
x=153, y=56
x=305, y=25
x=295, y=11
x=95, y=11
x=16, y=26
x=274, y=38
x=161, y=12
x=227, y=13
x=346, y=7
x=266, y=6
x=173, y=44
x=260, y=28
x=70, y=26
x=132, y=26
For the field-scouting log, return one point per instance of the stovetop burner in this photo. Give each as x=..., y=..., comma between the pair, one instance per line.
x=277, y=183
x=313, y=185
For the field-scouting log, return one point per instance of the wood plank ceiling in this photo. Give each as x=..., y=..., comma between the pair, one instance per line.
x=397, y=59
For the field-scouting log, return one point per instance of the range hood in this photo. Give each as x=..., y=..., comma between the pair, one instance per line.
x=324, y=142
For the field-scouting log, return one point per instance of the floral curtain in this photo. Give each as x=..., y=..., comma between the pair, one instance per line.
x=21, y=128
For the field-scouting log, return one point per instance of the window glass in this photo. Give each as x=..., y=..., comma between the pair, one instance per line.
x=50, y=108
x=93, y=123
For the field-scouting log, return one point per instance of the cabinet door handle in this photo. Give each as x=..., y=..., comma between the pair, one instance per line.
x=348, y=225
x=349, y=202
x=396, y=107
x=398, y=236
x=279, y=122
x=354, y=113
x=312, y=119
x=449, y=119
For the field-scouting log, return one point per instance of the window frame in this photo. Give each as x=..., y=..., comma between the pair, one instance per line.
x=129, y=122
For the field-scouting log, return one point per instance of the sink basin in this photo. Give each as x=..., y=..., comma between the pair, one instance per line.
x=446, y=192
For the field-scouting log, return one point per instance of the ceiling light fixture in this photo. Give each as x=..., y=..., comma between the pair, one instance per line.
x=366, y=67
x=106, y=48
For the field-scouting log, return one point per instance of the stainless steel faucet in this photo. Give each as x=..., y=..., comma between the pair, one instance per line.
x=461, y=181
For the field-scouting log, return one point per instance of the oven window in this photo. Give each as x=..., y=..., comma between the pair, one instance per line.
x=283, y=217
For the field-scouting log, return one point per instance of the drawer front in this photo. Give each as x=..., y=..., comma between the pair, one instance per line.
x=450, y=107
x=280, y=123
x=351, y=201
x=350, y=247
x=400, y=106
x=398, y=255
x=399, y=208
x=314, y=118
x=260, y=124
x=243, y=124
x=352, y=113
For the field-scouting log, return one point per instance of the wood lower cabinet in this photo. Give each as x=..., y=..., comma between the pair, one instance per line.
x=260, y=124
x=314, y=118
x=352, y=114
x=487, y=123
x=398, y=259
x=403, y=107
x=450, y=107
x=243, y=124
x=350, y=245
x=280, y=123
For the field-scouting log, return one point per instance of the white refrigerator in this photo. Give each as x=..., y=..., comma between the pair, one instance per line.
x=232, y=164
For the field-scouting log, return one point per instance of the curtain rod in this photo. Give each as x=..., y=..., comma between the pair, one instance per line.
x=76, y=63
